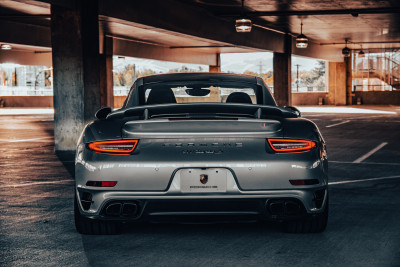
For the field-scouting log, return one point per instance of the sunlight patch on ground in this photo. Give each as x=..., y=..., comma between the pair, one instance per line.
x=343, y=110
x=25, y=111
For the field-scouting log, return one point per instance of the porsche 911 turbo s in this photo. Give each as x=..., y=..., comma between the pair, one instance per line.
x=200, y=145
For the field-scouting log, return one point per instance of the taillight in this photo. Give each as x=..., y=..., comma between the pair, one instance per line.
x=290, y=145
x=203, y=119
x=114, y=147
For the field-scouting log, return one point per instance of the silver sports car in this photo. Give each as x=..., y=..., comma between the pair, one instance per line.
x=200, y=146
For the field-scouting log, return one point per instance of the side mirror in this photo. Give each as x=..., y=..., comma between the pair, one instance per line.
x=102, y=113
x=294, y=110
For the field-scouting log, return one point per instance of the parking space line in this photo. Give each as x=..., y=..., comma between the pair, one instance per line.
x=366, y=163
x=360, y=159
x=38, y=183
x=336, y=124
x=364, y=180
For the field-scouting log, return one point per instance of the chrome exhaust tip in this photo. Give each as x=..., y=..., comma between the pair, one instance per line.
x=129, y=209
x=114, y=209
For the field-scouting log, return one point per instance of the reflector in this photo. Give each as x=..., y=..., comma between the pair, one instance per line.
x=114, y=146
x=304, y=182
x=101, y=183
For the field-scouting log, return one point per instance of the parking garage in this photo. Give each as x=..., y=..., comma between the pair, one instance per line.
x=79, y=43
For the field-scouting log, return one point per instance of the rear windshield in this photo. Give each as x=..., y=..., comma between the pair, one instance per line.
x=198, y=92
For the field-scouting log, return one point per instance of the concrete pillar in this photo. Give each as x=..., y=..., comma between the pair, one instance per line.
x=75, y=47
x=282, y=63
x=349, y=79
x=106, y=73
x=337, y=83
x=217, y=66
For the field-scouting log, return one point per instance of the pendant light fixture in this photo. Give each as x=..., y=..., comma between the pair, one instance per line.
x=243, y=24
x=301, y=40
x=361, y=54
x=346, y=51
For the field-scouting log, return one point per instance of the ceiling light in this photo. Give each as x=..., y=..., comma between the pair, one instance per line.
x=243, y=24
x=346, y=51
x=301, y=40
x=6, y=47
x=361, y=54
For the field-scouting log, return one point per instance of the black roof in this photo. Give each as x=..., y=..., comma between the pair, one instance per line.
x=198, y=76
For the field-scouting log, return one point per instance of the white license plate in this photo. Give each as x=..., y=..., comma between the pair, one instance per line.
x=210, y=180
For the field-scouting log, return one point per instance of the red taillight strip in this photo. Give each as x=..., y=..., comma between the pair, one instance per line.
x=114, y=146
x=101, y=183
x=290, y=145
x=203, y=119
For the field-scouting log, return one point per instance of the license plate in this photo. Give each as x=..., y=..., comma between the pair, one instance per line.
x=211, y=180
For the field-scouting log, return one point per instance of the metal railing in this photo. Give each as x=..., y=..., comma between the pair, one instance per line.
x=371, y=87
x=25, y=91
x=385, y=68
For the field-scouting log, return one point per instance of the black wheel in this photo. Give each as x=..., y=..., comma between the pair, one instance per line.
x=94, y=227
x=313, y=224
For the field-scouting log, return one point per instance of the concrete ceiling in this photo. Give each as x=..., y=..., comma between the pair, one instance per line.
x=207, y=26
x=383, y=29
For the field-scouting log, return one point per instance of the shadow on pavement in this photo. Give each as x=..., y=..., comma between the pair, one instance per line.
x=68, y=160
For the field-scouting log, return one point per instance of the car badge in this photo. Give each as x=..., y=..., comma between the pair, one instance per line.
x=203, y=178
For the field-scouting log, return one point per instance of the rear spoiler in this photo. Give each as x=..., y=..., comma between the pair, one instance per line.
x=202, y=110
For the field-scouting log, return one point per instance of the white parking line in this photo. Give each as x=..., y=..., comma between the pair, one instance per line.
x=38, y=183
x=365, y=163
x=360, y=159
x=364, y=180
x=336, y=124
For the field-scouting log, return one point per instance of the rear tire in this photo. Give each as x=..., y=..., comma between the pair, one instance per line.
x=313, y=224
x=94, y=227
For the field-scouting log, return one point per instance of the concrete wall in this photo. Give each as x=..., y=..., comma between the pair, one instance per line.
x=119, y=101
x=312, y=98
x=337, y=83
x=26, y=101
x=378, y=98
x=41, y=101
x=298, y=99
x=47, y=101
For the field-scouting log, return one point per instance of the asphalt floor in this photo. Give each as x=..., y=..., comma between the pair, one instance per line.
x=36, y=205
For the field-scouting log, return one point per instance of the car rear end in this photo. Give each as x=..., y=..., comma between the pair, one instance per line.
x=191, y=167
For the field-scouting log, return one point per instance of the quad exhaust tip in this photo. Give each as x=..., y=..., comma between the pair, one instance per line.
x=127, y=209
x=283, y=207
x=114, y=209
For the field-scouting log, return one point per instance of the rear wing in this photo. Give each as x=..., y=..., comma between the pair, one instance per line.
x=202, y=110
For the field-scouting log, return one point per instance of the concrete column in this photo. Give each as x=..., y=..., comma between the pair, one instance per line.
x=91, y=60
x=75, y=47
x=349, y=79
x=106, y=74
x=282, y=63
x=337, y=83
x=217, y=66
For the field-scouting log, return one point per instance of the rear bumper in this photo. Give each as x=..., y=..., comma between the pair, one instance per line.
x=161, y=189
x=265, y=205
